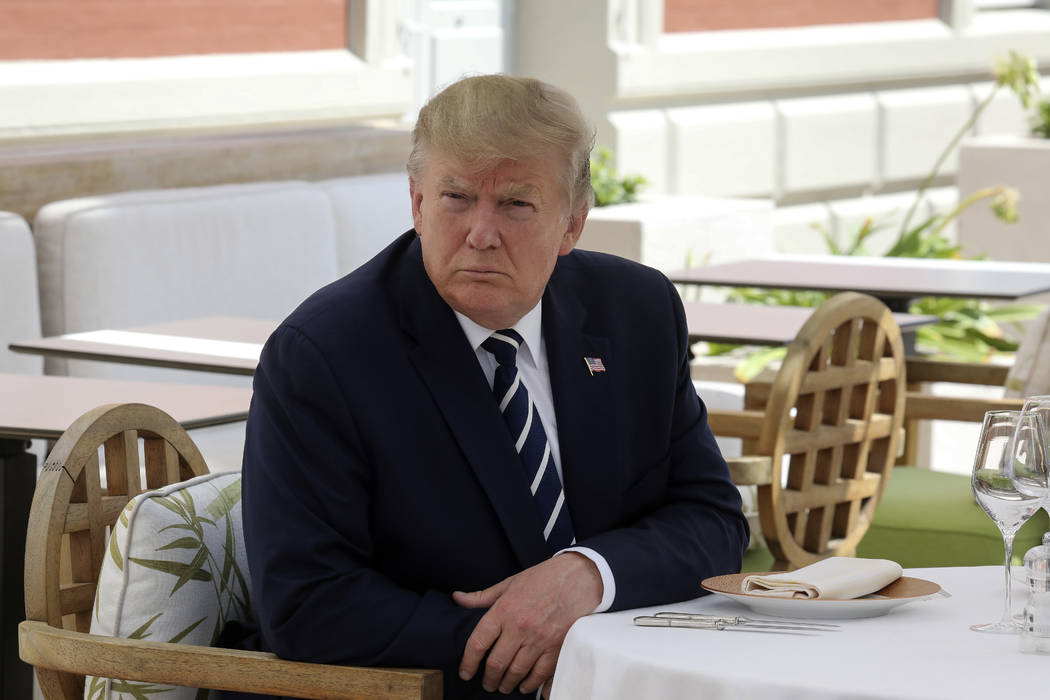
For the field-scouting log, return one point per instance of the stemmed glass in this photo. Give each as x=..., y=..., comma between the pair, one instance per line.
x=1010, y=442
x=1035, y=479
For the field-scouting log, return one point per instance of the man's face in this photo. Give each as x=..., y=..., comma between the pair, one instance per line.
x=490, y=239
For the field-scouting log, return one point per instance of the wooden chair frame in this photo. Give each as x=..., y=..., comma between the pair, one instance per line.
x=68, y=524
x=835, y=410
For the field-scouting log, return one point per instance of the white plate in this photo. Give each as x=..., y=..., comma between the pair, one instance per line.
x=903, y=590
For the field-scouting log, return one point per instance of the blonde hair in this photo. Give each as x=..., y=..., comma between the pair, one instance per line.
x=488, y=118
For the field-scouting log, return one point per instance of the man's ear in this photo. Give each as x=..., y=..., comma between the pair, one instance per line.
x=574, y=230
x=415, y=191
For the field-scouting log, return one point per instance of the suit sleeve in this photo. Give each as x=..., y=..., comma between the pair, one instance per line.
x=306, y=504
x=698, y=529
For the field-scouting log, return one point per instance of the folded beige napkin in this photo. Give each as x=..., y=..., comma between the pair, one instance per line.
x=834, y=577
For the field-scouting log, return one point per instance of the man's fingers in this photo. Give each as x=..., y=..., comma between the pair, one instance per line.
x=480, y=599
x=506, y=675
x=542, y=672
x=485, y=633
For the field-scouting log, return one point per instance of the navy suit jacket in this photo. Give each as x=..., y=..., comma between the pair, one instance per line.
x=379, y=475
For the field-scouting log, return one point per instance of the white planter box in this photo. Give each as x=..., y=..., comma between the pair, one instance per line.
x=671, y=232
x=1019, y=162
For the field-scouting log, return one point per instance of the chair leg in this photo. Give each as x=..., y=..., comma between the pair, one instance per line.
x=17, y=481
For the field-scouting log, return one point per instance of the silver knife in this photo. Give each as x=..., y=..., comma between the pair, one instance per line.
x=740, y=620
x=653, y=621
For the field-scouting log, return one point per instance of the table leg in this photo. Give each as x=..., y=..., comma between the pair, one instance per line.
x=17, y=482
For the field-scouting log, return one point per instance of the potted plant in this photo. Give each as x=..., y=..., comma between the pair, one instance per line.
x=1024, y=162
x=970, y=330
x=666, y=231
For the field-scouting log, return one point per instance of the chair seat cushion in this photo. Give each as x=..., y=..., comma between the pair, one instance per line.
x=929, y=518
x=174, y=571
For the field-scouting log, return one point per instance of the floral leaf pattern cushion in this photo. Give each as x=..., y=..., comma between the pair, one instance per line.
x=174, y=571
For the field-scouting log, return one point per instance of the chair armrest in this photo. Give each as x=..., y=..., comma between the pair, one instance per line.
x=210, y=667
x=919, y=406
x=741, y=424
x=750, y=471
x=921, y=369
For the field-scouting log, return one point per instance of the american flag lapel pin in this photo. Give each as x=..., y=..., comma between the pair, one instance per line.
x=594, y=365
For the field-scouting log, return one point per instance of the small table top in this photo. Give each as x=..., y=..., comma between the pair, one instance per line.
x=880, y=277
x=231, y=345
x=754, y=324
x=923, y=649
x=226, y=344
x=42, y=407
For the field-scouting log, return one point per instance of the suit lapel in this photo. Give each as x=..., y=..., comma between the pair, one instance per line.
x=449, y=368
x=589, y=439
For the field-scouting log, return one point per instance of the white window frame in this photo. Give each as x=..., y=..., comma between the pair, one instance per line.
x=371, y=79
x=652, y=64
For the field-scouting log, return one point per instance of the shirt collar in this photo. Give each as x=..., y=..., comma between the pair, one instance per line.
x=530, y=327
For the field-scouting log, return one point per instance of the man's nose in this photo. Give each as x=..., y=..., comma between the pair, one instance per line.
x=484, y=227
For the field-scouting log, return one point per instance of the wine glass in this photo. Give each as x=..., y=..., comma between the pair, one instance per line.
x=1034, y=480
x=1009, y=443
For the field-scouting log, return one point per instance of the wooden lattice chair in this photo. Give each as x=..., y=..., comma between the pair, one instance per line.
x=822, y=449
x=71, y=516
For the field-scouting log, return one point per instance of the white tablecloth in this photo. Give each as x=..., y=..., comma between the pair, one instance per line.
x=923, y=649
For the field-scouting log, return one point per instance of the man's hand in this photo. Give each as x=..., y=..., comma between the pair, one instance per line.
x=529, y=615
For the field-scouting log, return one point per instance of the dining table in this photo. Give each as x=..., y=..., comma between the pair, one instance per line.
x=894, y=280
x=42, y=407
x=231, y=344
x=923, y=648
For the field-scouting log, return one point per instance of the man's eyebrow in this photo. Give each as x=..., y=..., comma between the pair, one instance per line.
x=451, y=183
x=522, y=189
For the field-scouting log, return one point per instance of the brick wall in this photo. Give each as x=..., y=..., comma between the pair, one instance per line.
x=55, y=29
x=707, y=15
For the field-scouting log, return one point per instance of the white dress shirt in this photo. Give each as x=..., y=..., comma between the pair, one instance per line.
x=535, y=374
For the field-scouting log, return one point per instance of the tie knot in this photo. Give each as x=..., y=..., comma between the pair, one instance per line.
x=504, y=345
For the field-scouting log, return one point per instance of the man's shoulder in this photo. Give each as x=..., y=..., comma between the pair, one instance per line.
x=359, y=299
x=591, y=269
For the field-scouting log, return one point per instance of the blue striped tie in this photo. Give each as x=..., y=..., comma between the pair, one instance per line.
x=530, y=440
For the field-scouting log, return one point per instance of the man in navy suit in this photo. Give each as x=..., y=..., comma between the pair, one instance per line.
x=397, y=511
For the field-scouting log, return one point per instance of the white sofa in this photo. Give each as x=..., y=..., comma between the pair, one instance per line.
x=20, y=315
x=252, y=250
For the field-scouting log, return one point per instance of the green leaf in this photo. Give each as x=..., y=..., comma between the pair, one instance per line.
x=228, y=497
x=96, y=688
x=178, y=637
x=757, y=361
x=229, y=553
x=608, y=188
x=138, y=690
x=143, y=631
x=194, y=568
x=1015, y=312
x=171, y=504
x=184, y=572
x=114, y=552
x=716, y=349
x=124, y=513
x=182, y=543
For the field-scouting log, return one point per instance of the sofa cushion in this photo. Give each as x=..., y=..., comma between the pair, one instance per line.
x=132, y=258
x=370, y=212
x=174, y=571
x=18, y=289
x=929, y=518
